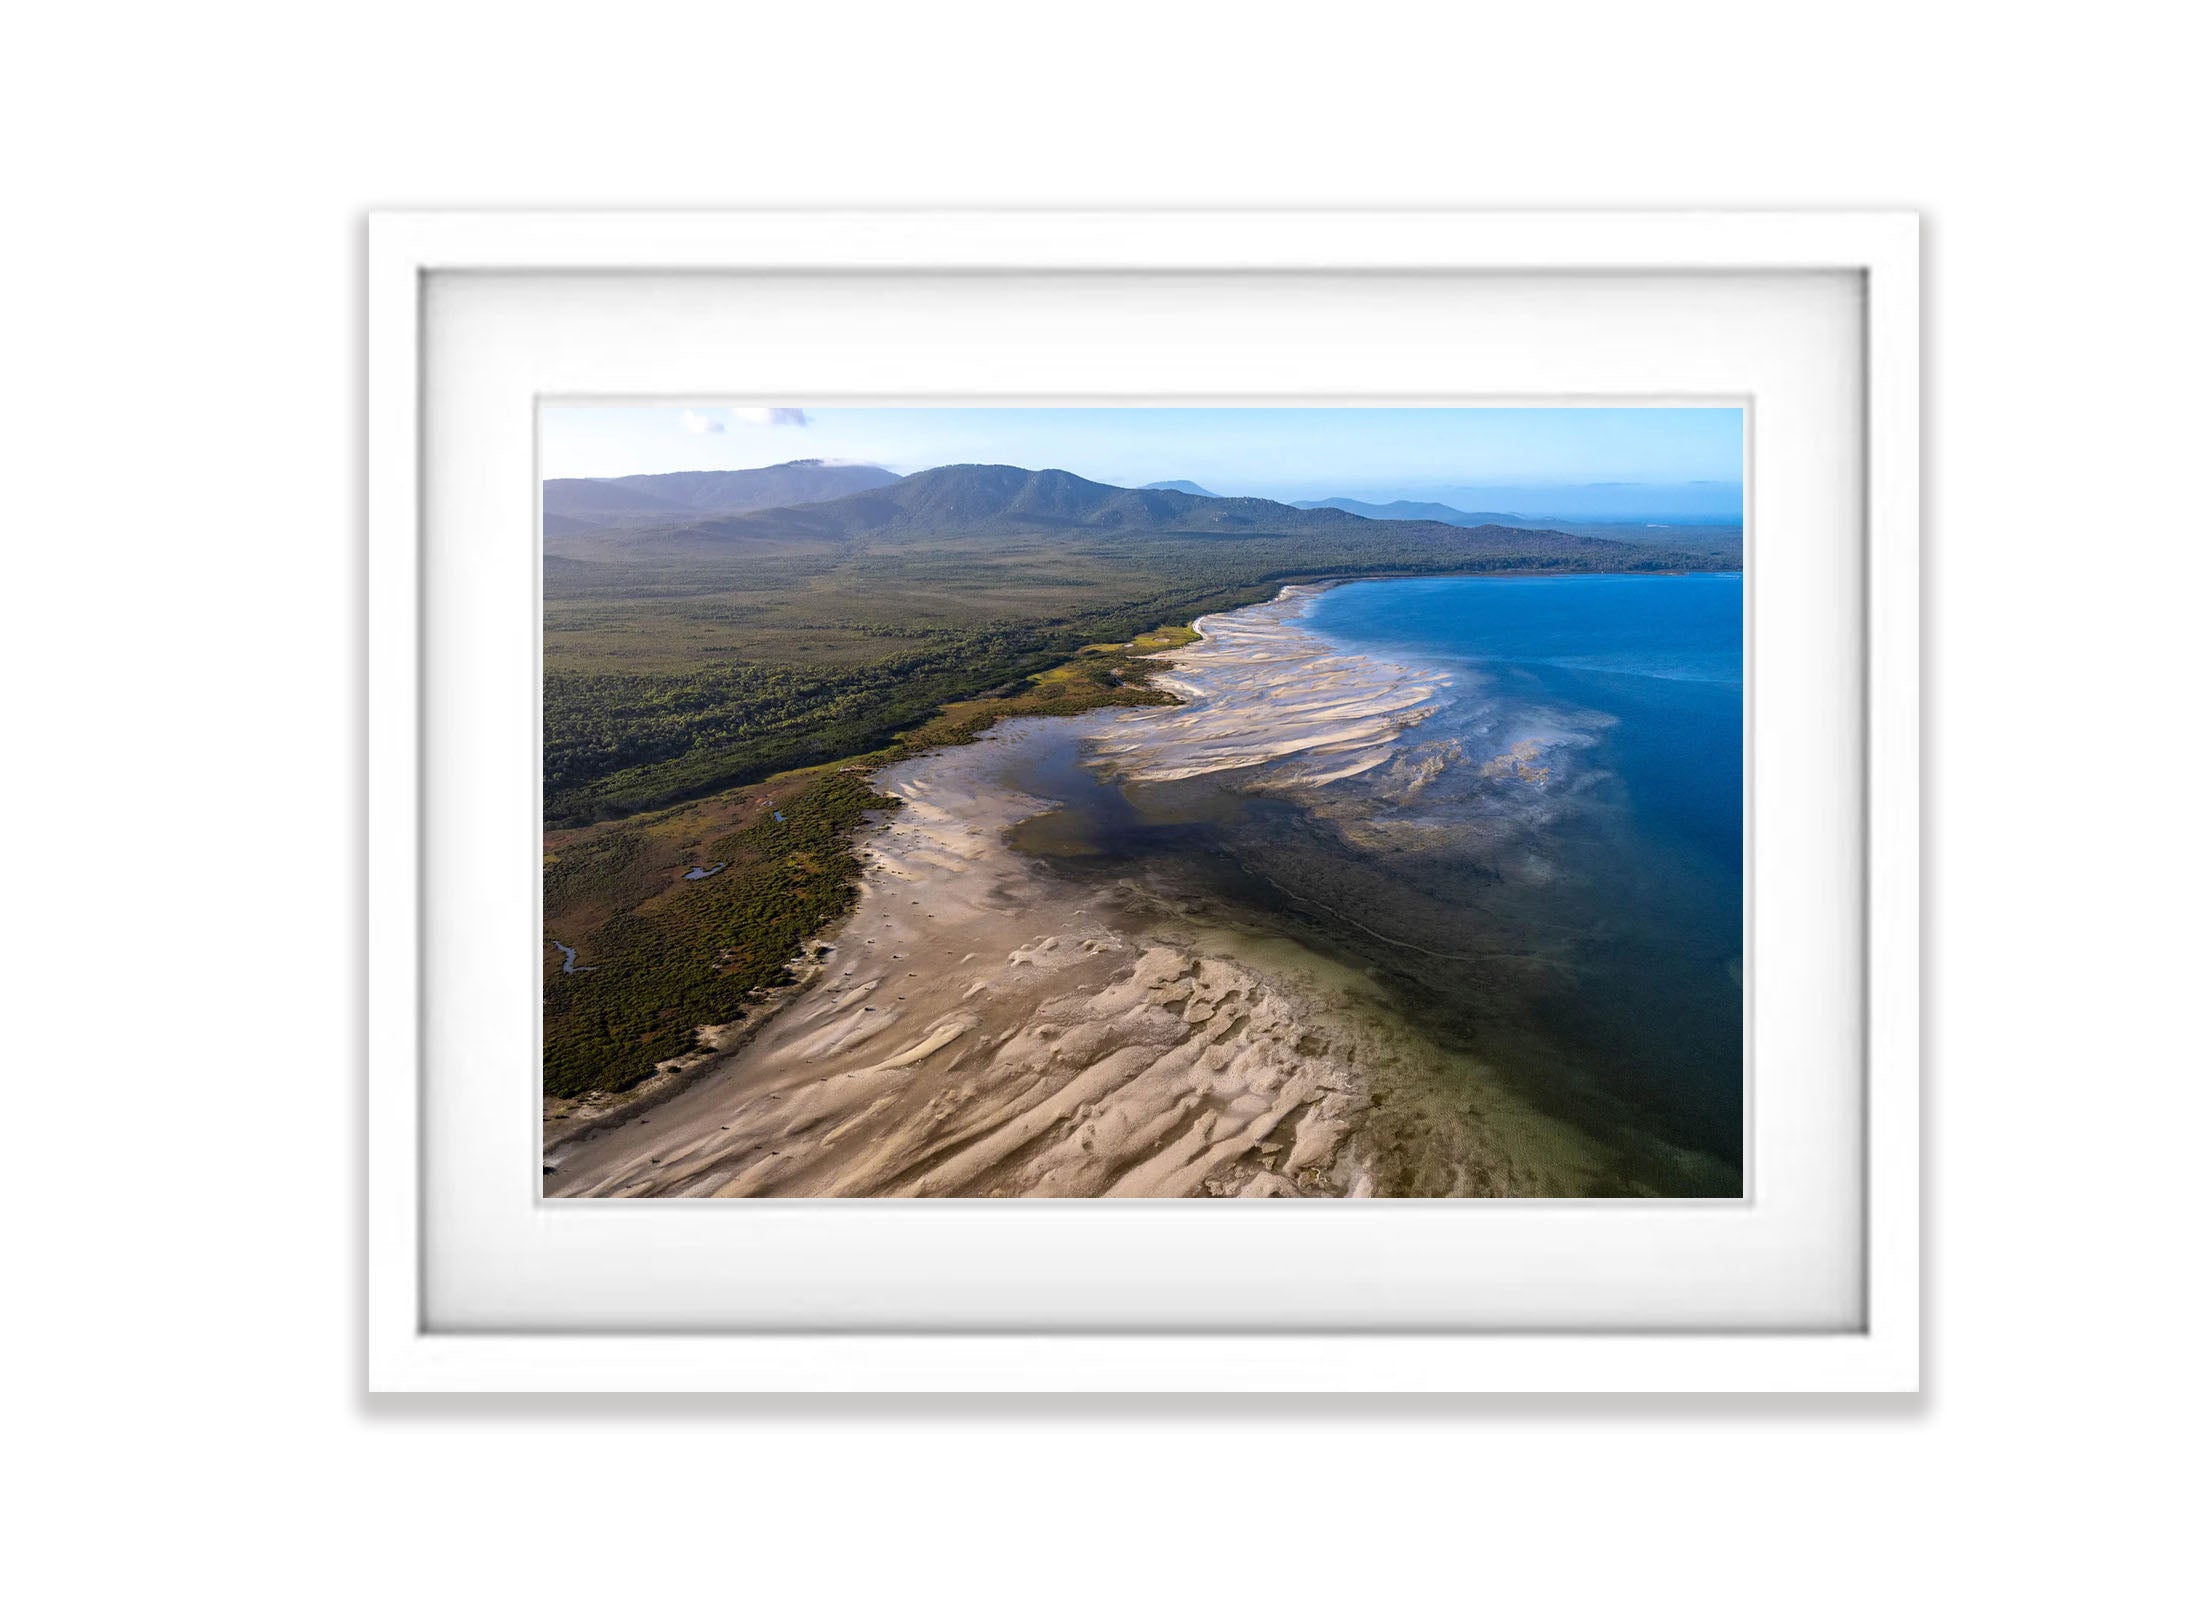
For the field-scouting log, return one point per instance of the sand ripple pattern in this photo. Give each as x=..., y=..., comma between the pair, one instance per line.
x=1264, y=693
x=979, y=1031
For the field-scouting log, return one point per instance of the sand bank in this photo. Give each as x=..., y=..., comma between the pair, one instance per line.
x=1262, y=692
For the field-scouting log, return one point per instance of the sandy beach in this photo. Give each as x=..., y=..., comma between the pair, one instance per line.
x=978, y=1030
x=981, y=1025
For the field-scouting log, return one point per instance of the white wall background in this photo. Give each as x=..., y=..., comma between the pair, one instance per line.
x=181, y=923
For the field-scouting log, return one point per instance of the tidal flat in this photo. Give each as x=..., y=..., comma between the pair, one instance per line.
x=1425, y=888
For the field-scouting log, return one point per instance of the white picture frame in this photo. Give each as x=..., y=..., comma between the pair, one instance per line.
x=407, y=1352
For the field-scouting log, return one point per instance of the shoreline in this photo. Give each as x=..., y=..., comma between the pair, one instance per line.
x=983, y=1028
x=1020, y=1034
x=599, y=1111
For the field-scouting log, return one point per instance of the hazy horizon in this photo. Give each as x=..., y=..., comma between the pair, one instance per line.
x=1582, y=462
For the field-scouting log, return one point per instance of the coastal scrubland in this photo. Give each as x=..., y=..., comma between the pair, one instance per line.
x=666, y=954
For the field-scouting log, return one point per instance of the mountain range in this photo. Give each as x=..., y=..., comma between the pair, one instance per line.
x=645, y=513
x=995, y=512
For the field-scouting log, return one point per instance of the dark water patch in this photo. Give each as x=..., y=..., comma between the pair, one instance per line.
x=1546, y=873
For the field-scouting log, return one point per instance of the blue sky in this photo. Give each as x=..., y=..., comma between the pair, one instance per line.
x=1551, y=460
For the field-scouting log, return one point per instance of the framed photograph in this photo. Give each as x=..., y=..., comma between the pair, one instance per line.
x=921, y=762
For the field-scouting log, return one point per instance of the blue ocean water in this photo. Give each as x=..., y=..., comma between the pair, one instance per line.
x=1631, y=860
x=1661, y=655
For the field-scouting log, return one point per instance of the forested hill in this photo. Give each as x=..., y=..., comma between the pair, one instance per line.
x=681, y=659
x=572, y=506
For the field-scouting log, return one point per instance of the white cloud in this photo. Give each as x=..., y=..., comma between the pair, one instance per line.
x=701, y=422
x=772, y=416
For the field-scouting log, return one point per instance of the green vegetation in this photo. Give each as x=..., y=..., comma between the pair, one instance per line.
x=1099, y=675
x=669, y=955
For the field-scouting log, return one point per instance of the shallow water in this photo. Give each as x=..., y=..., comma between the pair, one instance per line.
x=571, y=956
x=1539, y=859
